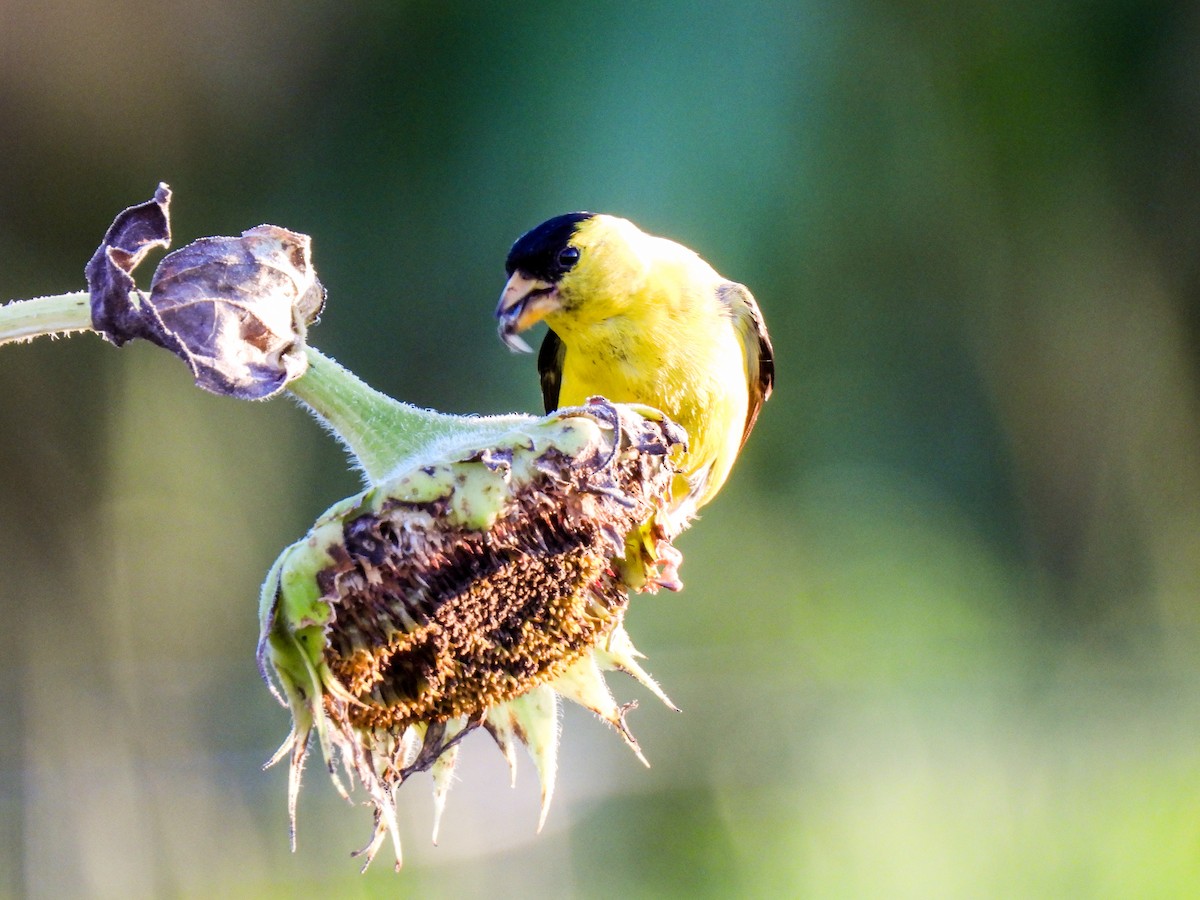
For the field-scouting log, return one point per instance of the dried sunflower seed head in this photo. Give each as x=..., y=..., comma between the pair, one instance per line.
x=472, y=590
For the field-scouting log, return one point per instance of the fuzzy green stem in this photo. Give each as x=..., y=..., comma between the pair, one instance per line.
x=23, y=320
x=381, y=432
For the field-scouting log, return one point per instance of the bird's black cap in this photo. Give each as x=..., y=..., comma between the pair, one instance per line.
x=536, y=252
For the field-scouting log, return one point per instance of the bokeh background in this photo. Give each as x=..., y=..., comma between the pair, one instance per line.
x=939, y=635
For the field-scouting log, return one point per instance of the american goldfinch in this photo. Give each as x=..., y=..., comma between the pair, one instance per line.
x=641, y=319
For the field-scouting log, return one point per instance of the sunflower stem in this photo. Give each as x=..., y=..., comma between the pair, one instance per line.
x=381, y=432
x=24, y=320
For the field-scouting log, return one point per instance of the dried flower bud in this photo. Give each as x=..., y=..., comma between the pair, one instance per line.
x=470, y=591
x=236, y=310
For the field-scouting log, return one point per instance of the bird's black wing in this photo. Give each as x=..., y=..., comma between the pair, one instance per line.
x=756, y=343
x=550, y=366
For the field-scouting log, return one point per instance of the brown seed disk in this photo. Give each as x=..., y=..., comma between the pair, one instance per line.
x=433, y=622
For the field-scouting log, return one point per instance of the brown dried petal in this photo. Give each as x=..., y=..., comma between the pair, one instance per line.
x=134, y=233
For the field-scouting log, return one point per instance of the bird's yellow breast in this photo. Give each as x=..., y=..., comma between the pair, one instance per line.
x=681, y=357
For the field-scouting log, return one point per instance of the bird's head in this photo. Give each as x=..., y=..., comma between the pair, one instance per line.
x=557, y=271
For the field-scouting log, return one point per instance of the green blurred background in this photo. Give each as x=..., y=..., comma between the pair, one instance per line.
x=939, y=636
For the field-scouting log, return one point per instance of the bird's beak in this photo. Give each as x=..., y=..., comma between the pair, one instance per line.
x=524, y=302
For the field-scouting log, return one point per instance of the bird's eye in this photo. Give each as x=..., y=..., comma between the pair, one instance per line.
x=568, y=256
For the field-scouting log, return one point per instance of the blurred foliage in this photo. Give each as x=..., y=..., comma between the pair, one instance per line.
x=939, y=636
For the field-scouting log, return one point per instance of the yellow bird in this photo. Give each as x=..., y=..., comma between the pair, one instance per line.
x=641, y=319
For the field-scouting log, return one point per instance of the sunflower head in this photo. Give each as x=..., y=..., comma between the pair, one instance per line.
x=471, y=590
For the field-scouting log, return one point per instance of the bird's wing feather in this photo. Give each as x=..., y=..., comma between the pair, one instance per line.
x=550, y=367
x=760, y=357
